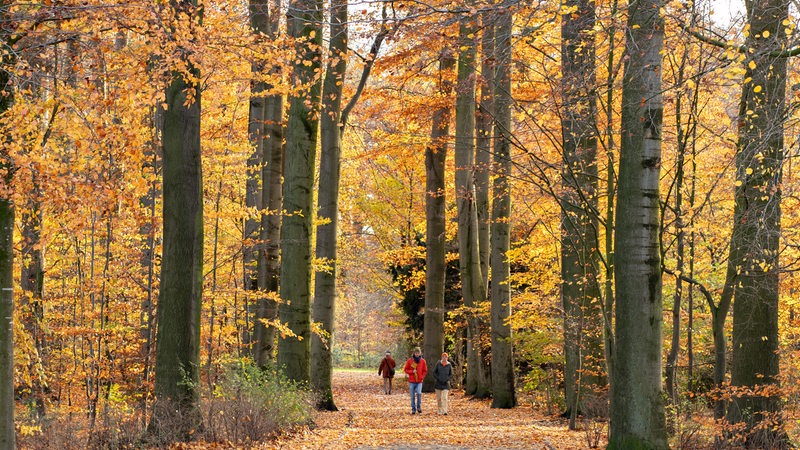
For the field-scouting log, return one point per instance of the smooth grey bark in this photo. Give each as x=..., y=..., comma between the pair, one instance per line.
x=333, y=122
x=259, y=23
x=472, y=287
x=637, y=404
x=7, y=432
x=435, y=220
x=268, y=260
x=503, y=390
x=755, y=240
x=179, y=303
x=324, y=308
x=610, y=191
x=304, y=22
x=484, y=129
x=584, y=371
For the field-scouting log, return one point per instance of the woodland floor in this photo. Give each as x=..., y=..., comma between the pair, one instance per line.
x=369, y=419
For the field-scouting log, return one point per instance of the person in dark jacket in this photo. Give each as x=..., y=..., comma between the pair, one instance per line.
x=441, y=375
x=387, y=370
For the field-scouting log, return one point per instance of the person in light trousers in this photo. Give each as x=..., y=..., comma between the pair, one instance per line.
x=442, y=374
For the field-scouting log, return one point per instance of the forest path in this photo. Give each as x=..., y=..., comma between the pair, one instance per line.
x=369, y=419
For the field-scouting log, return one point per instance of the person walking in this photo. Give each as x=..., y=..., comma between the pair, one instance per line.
x=387, y=370
x=416, y=368
x=442, y=373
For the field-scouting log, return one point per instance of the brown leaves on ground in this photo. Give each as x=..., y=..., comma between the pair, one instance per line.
x=369, y=419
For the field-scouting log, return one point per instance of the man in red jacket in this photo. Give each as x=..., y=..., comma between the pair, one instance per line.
x=416, y=368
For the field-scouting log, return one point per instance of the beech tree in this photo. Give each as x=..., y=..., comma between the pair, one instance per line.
x=271, y=136
x=7, y=430
x=472, y=287
x=755, y=240
x=637, y=405
x=328, y=201
x=304, y=23
x=503, y=389
x=177, y=371
x=259, y=23
x=435, y=218
x=484, y=128
x=580, y=291
x=333, y=122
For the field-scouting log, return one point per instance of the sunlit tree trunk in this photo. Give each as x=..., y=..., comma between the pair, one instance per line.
x=304, y=23
x=472, y=287
x=503, y=392
x=755, y=240
x=584, y=372
x=333, y=122
x=637, y=404
x=328, y=211
x=610, y=191
x=435, y=218
x=181, y=287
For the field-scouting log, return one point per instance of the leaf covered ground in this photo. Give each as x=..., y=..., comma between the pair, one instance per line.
x=369, y=419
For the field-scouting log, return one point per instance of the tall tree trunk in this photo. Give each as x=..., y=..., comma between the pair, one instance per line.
x=608, y=287
x=328, y=211
x=503, y=391
x=179, y=303
x=484, y=126
x=304, y=23
x=7, y=432
x=473, y=289
x=32, y=281
x=151, y=169
x=584, y=374
x=7, y=436
x=756, y=227
x=637, y=404
x=259, y=24
x=686, y=113
x=268, y=260
x=690, y=299
x=147, y=231
x=333, y=122
x=435, y=219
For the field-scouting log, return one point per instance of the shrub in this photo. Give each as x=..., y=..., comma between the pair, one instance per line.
x=250, y=405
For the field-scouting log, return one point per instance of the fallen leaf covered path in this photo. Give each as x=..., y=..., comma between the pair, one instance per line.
x=369, y=419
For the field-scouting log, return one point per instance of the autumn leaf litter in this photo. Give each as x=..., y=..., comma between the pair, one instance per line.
x=369, y=419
